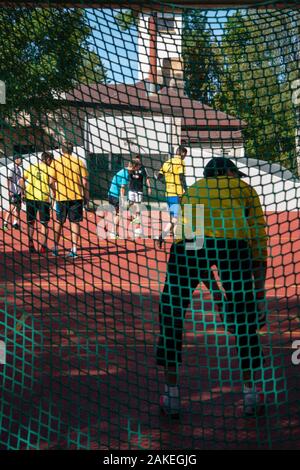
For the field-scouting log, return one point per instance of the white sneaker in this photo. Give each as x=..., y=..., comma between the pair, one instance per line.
x=138, y=232
x=113, y=236
x=254, y=401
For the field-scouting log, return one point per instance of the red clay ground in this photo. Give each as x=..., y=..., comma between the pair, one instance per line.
x=80, y=337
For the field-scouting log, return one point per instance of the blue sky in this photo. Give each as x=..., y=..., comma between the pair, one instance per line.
x=118, y=49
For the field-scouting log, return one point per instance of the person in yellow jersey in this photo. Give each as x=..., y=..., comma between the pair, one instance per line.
x=35, y=186
x=173, y=172
x=235, y=242
x=70, y=178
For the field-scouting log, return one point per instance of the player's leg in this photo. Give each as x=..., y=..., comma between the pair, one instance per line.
x=31, y=212
x=217, y=295
x=135, y=199
x=17, y=211
x=115, y=234
x=114, y=229
x=14, y=214
x=137, y=219
x=174, y=210
x=61, y=209
x=30, y=226
x=75, y=235
x=11, y=212
x=8, y=215
x=170, y=228
x=181, y=280
x=75, y=217
x=166, y=229
x=132, y=200
x=44, y=211
x=236, y=276
x=173, y=204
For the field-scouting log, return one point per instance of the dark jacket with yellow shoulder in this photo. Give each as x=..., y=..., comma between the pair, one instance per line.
x=232, y=209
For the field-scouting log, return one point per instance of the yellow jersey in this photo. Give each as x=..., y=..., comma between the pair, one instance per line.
x=171, y=170
x=37, y=182
x=68, y=172
x=232, y=209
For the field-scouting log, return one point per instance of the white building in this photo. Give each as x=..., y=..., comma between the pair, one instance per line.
x=153, y=116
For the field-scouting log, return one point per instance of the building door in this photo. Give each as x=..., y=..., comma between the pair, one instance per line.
x=24, y=149
x=102, y=167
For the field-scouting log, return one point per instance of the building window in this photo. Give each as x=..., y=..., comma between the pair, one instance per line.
x=166, y=23
x=101, y=169
x=24, y=149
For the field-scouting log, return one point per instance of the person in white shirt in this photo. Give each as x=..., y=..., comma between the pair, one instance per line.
x=15, y=175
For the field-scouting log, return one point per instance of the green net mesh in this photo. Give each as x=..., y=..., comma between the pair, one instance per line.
x=117, y=336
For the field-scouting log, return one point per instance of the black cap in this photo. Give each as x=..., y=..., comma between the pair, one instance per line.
x=17, y=157
x=219, y=166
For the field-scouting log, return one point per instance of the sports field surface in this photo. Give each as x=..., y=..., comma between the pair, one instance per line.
x=80, y=337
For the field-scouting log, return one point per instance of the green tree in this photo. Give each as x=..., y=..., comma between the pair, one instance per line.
x=248, y=74
x=43, y=52
x=91, y=69
x=201, y=57
x=257, y=49
x=127, y=18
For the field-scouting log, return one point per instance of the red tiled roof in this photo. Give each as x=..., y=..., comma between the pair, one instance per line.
x=190, y=136
x=195, y=113
x=170, y=101
x=113, y=95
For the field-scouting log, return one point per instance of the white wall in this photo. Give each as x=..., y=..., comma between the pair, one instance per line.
x=27, y=160
x=276, y=188
x=109, y=133
x=231, y=149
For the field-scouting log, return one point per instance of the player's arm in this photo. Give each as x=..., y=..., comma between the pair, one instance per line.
x=183, y=182
x=123, y=183
x=259, y=238
x=148, y=186
x=84, y=182
x=148, y=183
x=123, y=190
x=10, y=182
x=86, y=191
x=52, y=181
x=159, y=176
x=182, y=178
x=22, y=183
x=52, y=184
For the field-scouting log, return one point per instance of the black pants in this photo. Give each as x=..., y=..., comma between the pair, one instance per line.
x=186, y=268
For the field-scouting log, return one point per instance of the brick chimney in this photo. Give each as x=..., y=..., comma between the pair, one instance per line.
x=153, y=49
x=152, y=78
x=159, y=49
